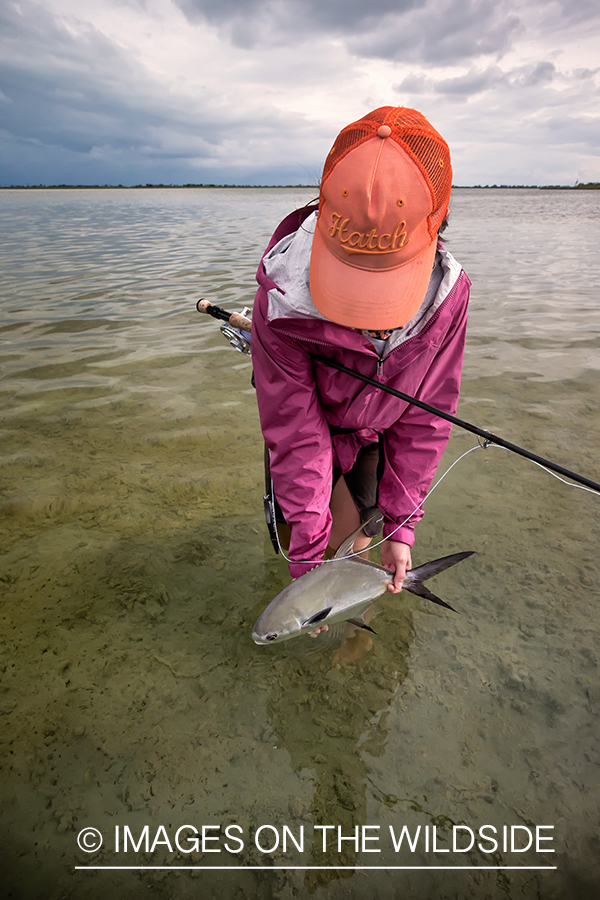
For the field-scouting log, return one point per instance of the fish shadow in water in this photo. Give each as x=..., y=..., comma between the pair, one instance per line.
x=329, y=713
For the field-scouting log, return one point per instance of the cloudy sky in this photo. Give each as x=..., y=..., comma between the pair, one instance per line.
x=254, y=91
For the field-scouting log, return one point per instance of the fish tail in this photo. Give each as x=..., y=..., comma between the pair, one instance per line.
x=415, y=577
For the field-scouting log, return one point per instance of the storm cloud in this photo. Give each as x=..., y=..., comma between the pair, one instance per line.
x=254, y=91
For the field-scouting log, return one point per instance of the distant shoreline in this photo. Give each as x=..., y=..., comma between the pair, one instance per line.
x=589, y=186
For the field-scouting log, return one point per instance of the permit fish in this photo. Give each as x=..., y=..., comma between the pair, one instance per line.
x=340, y=590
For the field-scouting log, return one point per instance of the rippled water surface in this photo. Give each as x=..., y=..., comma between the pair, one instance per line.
x=135, y=561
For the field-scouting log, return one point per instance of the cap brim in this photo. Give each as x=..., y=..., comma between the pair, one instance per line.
x=373, y=299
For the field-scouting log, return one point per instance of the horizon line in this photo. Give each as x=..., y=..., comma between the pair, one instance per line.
x=590, y=185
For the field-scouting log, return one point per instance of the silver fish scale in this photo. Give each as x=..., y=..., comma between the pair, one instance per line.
x=343, y=585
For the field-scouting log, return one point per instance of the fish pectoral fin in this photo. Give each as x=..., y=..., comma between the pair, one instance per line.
x=318, y=617
x=421, y=591
x=360, y=624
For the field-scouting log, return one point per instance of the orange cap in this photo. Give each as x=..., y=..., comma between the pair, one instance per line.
x=384, y=194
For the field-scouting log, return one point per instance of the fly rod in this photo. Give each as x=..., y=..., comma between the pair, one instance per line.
x=242, y=323
x=481, y=432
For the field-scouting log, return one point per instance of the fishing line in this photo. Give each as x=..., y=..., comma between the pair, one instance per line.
x=240, y=322
x=378, y=544
x=484, y=446
x=479, y=446
x=426, y=497
x=239, y=336
x=487, y=436
x=554, y=475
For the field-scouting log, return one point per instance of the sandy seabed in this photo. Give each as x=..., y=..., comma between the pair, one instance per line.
x=135, y=562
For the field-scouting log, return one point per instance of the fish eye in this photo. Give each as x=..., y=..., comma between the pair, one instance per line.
x=272, y=637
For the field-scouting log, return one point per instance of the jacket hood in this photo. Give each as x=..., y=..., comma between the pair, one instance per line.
x=287, y=265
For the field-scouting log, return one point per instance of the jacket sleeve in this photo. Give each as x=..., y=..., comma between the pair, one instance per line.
x=297, y=434
x=414, y=444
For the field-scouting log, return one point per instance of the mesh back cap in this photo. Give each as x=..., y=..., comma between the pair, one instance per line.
x=384, y=194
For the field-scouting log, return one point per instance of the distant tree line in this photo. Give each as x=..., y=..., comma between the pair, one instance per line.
x=130, y=187
x=589, y=186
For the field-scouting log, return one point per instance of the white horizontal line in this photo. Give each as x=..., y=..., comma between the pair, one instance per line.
x=304, y=868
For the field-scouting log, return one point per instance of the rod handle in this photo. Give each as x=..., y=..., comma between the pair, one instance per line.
x=202, y=306
x=236, y=320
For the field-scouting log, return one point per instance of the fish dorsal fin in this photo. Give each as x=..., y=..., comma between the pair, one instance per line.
x=318, y=617
x=346, y=547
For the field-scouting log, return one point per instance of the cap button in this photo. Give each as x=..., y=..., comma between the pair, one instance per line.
x=384, y=131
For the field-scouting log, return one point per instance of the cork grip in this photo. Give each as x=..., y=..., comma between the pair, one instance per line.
x=235, y=319
x=238, y=321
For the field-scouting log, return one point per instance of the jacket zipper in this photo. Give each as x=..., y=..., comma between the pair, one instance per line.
x=380, y=360
x=414, y=337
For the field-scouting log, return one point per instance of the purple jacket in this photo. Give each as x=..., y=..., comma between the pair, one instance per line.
x=298, y=398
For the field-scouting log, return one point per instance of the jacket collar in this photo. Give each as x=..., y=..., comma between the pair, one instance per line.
x=285, y=276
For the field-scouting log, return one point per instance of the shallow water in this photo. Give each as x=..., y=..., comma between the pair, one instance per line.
x=135, y=561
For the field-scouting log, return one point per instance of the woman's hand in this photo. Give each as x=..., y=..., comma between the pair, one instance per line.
x=396, y=556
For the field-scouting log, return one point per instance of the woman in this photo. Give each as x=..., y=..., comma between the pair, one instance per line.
x=363, y=280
